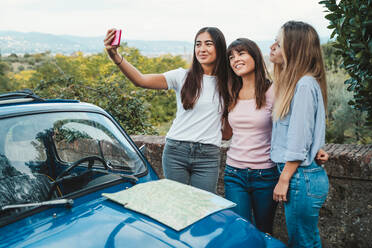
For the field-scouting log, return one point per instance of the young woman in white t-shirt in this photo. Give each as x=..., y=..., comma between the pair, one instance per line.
x=191, y=154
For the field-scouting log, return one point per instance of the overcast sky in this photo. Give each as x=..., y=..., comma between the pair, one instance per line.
x=160, y=19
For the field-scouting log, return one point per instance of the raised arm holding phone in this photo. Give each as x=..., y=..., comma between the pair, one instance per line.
x=191, y=154
x=150, y=81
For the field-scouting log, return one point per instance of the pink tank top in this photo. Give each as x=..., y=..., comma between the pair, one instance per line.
x=250, y=144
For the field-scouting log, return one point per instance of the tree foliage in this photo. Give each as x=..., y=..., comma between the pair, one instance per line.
x=351, y=21
x=344, y=124
x=97, y=80
x=332, y=61
x=4, y=82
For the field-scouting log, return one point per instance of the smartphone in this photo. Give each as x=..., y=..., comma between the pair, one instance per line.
x=116, y=40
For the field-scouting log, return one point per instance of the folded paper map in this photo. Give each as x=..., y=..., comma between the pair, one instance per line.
x=174, y=204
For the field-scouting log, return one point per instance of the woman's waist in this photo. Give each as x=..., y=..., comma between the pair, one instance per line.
x=244, y=165
x=249, y=139
x=253, y=162
x=251, y=148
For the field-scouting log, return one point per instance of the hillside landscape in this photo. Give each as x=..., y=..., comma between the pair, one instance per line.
x=78, y=68
x=22, y=43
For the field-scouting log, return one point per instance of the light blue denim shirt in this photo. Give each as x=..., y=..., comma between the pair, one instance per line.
x=301, y=133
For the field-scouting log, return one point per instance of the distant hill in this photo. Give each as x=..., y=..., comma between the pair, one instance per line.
x=21, y=43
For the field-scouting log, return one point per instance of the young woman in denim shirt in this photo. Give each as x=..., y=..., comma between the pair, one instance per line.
x=191, y=154
x=250, y=176
x=299, y=130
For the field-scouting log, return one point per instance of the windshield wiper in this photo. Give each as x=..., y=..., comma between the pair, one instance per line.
x=67, y=202
x=130, y=178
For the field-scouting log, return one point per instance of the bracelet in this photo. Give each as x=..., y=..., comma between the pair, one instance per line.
x=120, y=61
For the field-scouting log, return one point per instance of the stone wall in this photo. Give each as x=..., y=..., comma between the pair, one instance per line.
x=346, y=217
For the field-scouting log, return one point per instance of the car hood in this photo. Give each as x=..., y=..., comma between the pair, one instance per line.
x=98, y=222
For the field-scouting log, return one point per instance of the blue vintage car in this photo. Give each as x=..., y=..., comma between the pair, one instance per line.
x=57, y=158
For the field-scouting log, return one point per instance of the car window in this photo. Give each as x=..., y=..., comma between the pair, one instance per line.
x=78, y=138
x=36, y=149
x=21, y=147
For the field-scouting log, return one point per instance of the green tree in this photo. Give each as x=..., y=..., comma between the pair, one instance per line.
x=162, y=103
x=111, y=96
x=332, y=61
x=5, y=84
x=97, y=80
x=344, y=124
x=91, y=79
x=351, y=22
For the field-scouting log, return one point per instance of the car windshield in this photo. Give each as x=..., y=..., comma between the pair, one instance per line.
x=35, y=150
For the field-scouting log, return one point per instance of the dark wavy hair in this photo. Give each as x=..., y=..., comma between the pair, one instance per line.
x=262, y=77
x=191, y=89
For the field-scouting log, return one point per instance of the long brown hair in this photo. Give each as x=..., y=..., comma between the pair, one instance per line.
x=191, y=89
x=302, y=56
x=262, y=78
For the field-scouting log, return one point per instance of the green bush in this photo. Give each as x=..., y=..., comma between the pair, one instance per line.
x=21, y=68
x=351, y=22
x=97, y=80
x=5, y=84
x=112, y=96
x=344, y=124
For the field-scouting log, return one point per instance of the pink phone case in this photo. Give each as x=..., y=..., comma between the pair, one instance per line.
x=116, y=41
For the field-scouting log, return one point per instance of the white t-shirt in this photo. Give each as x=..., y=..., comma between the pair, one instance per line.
x=202, y=123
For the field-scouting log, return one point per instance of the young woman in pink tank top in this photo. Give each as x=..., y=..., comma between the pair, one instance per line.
x=250, y=176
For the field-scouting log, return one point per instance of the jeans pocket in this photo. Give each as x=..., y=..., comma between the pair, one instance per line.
x=271, y=174
x=230, y=171
x=316, y=182
x=210, y=150
x=172, y=144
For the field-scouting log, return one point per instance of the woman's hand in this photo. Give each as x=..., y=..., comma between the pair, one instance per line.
x=321, y=157
x=150, y=81
x=111, y=50
x=281, y=189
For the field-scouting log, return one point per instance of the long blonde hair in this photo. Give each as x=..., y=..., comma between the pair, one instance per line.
x=302, y=56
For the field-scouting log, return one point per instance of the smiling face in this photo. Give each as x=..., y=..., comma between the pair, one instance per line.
x=276, y=53
x=241, y=63
x=205, y=50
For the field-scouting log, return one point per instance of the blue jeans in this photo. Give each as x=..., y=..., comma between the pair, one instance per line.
x=307, y=192
x=252, y=191
x=192, y=163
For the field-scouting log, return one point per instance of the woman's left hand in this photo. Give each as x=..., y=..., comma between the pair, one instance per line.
x=280, y=191
x=281, y=188
x=321, y=157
